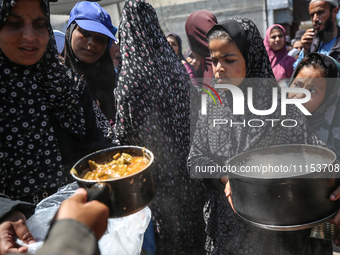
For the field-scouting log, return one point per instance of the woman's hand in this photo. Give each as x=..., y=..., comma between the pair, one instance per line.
x=335, y=196
x=11, y=228
x=336, y=220
x=227, y=191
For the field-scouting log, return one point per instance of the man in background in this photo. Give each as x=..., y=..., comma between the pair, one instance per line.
x=324, y=37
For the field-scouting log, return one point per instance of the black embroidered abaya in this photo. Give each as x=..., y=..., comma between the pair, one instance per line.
x=153, y=111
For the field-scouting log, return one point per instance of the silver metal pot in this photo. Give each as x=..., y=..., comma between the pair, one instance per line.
x=294, y=195
x=124, y=195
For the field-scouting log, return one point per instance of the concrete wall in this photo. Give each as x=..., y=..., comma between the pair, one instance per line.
x=173, y=14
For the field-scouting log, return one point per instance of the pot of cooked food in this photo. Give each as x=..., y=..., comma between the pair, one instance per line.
x=285, y=187
x=121, y=177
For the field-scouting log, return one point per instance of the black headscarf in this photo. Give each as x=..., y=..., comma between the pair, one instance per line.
x=179, y=42
x=332, y=70
x=235, y=30
x=100, y=76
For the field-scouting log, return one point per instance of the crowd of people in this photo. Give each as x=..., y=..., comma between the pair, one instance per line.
x=96, y=90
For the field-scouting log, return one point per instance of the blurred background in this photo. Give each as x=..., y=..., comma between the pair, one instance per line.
x=172, y=14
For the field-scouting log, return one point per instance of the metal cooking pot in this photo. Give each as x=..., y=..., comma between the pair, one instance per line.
x=124, y=195
x=285, y=187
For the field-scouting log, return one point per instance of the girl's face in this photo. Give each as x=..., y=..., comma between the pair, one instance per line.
x=24, y=36
x=310, y=78
x=228, y=63
x=297, y=45
x=88, y=46
x=276, y=39
x=174, y=44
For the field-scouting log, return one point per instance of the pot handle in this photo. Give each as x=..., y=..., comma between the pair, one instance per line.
x=100, y=192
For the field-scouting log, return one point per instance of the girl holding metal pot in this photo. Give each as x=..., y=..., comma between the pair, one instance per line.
x=47, y=117
x=240, y=58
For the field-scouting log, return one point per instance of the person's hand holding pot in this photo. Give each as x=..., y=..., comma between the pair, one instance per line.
x=93, y=214
x=227, y=190
x=336, y=220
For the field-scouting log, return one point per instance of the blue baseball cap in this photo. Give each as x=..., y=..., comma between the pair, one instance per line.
x=92, y=17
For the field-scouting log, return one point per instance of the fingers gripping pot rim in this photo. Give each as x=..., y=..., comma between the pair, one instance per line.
x=125, y=195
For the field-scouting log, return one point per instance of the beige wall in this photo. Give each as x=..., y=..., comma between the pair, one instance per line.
x=173, y=14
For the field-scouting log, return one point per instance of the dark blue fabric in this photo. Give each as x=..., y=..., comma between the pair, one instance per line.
x=149, y=242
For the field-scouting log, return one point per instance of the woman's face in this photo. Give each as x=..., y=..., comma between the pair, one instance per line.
x=193, y=61
x=310, y=78
x=276, y=39
x=114, y=52
x=88, y=46
x=228, y=63
x=24, y=36
x=173, y=43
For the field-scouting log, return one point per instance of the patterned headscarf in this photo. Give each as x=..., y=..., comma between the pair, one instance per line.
x=216, y=145
x=325, y=121
x=153, y=111
x=28, y=94
x=152, y=84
